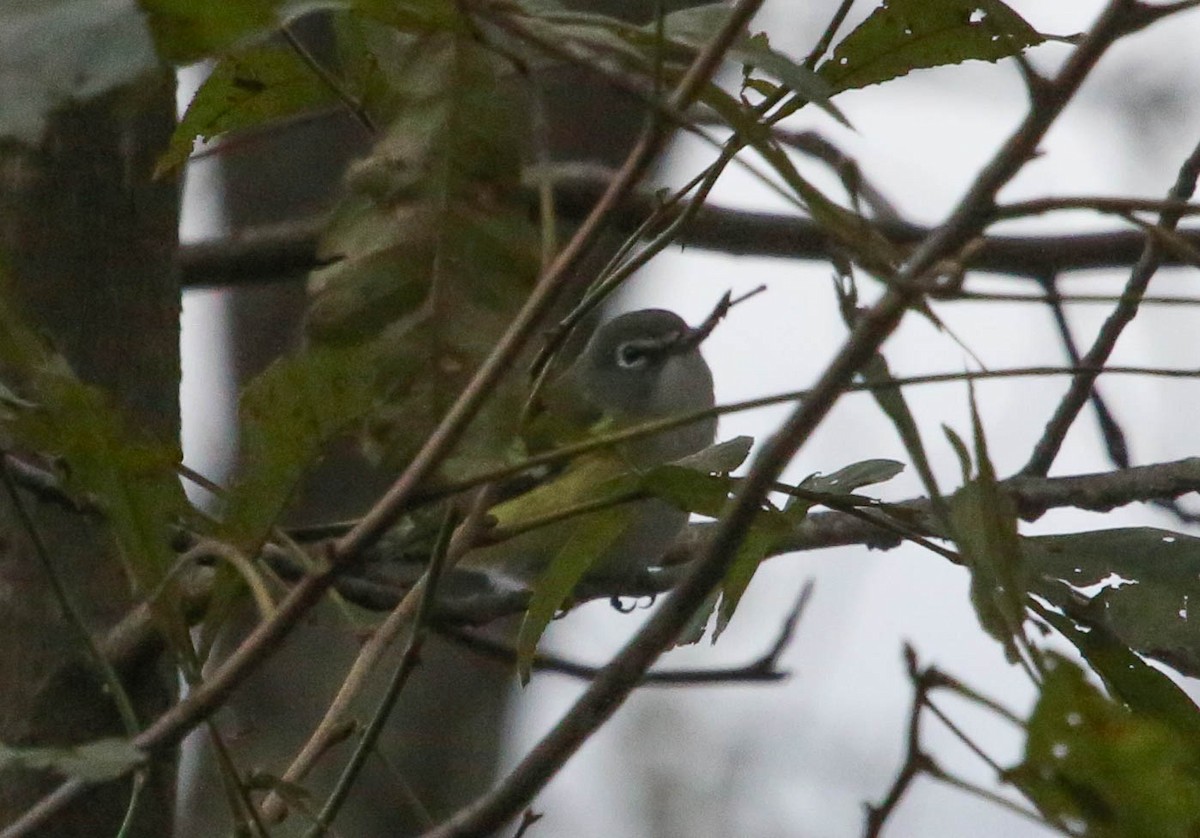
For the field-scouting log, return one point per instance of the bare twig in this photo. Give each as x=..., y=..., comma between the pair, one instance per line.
x=1077, y=395
x=916, y=761
x=765, y=668
x=353, y=105
x=408, y=663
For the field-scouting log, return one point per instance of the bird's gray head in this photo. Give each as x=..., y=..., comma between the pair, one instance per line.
x=647, y=365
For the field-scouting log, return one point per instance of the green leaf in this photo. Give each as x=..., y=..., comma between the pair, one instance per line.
x=593, y=534
x=893, y=404
x=689, y=490
x=56, y=51
x=852, y=477
x=245, y=90
x=433, y=249
x=983, y=522
x=1150, y=579
x=187, y=31
x=721, y=458
x=769, y=528
x=1129, y=679
x=699, y=482
x=697, y=26
x=288, y=414
x=905, y=35
x=93, y=762
x=1091, y=763
x=131, y=476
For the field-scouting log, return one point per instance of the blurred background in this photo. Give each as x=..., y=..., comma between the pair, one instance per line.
x=803, y=756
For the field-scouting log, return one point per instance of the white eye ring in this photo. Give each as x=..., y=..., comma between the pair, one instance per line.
x=631, y=356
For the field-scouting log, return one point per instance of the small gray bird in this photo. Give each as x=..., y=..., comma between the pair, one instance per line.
x=638, y=367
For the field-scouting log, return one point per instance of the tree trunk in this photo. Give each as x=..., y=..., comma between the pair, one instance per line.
x=88, y=240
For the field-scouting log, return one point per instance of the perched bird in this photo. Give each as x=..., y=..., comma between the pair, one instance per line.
x=636, y=368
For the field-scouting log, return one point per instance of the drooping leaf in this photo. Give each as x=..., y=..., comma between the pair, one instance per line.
x=858, y=237
x=432, y=247
x=905, y=35
x=287, y=416
x=129, y=475
x=1148, y=580
x=592, y=535
x=983, y=521
x=244, y=90
x=1092, y=763
x=94, y=762
x=55, y=51
x=1129, y=679
x=769, y=528
x=893, y=404
x=697, y=26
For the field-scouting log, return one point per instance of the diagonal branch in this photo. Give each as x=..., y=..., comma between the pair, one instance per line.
x=1122, y=314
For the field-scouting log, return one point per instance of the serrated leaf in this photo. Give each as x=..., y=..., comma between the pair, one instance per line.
x=244, y=90
x=287, y=415
x=593, y=534
x=1150, y=581
x=132, y=477
x=1092, y=763
x=433, y=246
x=905, y=35
x=55, y=51
x=129, y=475
x=93, y=762
x=697, y=26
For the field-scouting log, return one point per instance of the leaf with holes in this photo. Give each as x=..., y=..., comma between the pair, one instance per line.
x=1148, y=584
x=1092, y=763
x=905, y=35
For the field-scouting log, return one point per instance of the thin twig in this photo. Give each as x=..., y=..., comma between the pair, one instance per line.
x=1077, y=394
x=408, y=663
x=916, y=761
x=762, y=669
x=330, y=80
x=71, y=613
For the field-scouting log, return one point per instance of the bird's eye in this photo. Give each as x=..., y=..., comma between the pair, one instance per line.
x=631, y=356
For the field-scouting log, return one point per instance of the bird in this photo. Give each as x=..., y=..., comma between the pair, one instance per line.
x=638, y=367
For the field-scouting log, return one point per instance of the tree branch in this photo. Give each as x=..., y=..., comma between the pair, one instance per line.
x=273, y=252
